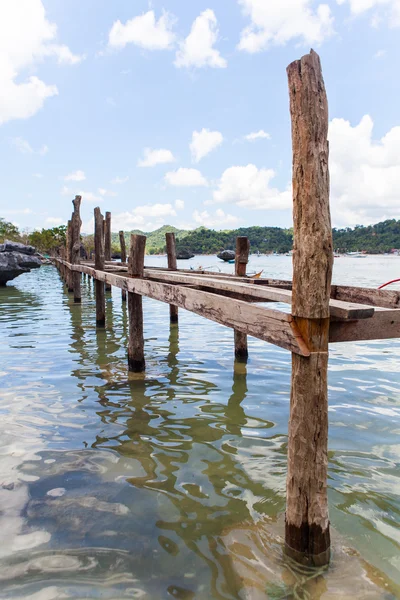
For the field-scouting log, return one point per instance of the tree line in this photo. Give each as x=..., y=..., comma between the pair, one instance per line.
x=374, y=239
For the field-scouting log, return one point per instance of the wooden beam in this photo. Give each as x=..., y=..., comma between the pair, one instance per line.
x=337, y=308
x=266, y=324
x=107, y=241
x=99, y=265
x=172, y=265
x=385, y=324
x=241, y=260
x=136, y=361
x=123, y=257
x=307, y=536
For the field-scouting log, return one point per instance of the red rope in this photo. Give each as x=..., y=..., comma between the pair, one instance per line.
x=388, y=283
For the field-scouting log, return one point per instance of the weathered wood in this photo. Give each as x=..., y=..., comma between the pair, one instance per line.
x=241, y=260
x=68, y=254
x=266, y=324
x=307, y=534
x=107, y=241
x=99, y=265
x=383, y=298
x=337, y=308
x=172, y=265
x=136, y=360
x=76, y=224
x=123, y=257
x=385, y=324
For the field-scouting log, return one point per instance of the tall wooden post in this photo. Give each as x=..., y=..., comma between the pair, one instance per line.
x=172, y=264
x=99, y=264
x=107, y=242
x=136, y=362
x=307, y=522
x=241, y=260
x=76, y=247
x=123, y=257
x=69, y=256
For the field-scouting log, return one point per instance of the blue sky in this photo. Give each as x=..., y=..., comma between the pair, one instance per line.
x=177, y=112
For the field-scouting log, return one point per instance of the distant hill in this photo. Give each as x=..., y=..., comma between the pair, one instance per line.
x=375, y=239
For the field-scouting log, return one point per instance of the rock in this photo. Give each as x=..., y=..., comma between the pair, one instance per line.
x=16, y=259
x=184, y=254
x=17, y=247
x=226, y=255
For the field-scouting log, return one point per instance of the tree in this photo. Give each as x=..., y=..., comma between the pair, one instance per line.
x=8, y=231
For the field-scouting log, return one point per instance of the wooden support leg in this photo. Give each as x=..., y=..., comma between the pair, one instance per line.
x=136, y=361
x=99, y=264
x=107, y=243
x=307, y=522
x=241, y=260
x=123, y=258
x=69, y=257
x=172, y=264
x=76, y=247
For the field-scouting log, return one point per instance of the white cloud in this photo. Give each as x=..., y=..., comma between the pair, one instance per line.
x=250, y=187
x=75, y=176
x=104, y=192
x=25, y=148
x=156, y=157
x=279, y=22
x=197, y=49
x=54, y=221
x=139, y=216
x=120, y=180
x=219, y=219
x=258, y=135
x=185, y=178
x=26, y=37
x=38, y=175
x=144, y=31
x=380, y=54
x=203, y=142
x=86, y=196
x=179, y=204
x=365, y=174
x=22, y=145
x=387, y=9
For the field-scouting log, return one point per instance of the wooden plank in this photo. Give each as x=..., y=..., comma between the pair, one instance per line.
x=266, y=324
x=383, y=298
x=307, y=537
x=385, y=324
x=338, y=308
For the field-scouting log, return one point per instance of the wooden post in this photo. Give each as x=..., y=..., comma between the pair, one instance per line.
x=241, y=260
x=99, y=264
x=307, y=522
x=171, y=257
x=136, y=362
x=107, y=243
x=69, y=255
x=123, y=257
x=76, y=247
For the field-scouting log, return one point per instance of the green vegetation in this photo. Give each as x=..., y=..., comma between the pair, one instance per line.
x=374, y=239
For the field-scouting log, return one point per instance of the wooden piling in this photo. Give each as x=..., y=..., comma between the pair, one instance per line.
x=76, y=247
x=136, y=362
x=172, y=264
x=68, y=278
x=99, y=265
x=307, y=523
x=107, y=243
x=241, y=260
x=123, y=258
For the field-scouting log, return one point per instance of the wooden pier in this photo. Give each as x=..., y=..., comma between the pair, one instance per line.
x=317, y=313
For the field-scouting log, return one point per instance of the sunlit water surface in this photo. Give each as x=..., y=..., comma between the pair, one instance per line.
x=172, y=485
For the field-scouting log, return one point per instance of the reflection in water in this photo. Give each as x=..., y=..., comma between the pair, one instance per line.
x=172, y=485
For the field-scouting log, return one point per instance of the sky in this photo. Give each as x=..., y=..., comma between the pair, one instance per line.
x=177, y=112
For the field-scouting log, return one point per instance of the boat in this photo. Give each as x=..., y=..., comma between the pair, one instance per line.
x=231, y=261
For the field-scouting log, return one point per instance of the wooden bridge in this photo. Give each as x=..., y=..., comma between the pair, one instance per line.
x=317, y=313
